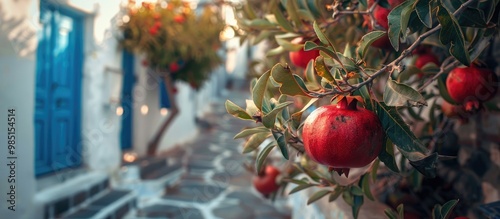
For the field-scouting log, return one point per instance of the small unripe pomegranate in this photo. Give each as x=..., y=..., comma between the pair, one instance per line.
x=343, y=136
x=471, y=86
x=265, y=182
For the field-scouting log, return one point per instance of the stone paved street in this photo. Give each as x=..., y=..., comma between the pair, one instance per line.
x=215, y=184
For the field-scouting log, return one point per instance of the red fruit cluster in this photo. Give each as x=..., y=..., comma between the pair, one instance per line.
x=155, y=28
x=265, y=183
x=472, y=86
x=343, y=136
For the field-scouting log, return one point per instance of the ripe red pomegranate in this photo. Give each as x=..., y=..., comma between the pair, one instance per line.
x=174, y=67
x=153, y=30
x=265, y=182
x=380, y=14
x=343, y=136
x=301, y=58
x=471, y=86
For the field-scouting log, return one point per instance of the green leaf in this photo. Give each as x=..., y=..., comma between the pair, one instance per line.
x=331, y=51
x=276, y=51
x=248, y=132
x=348, y=198
x=367, y=40
x=425, y=165
x=292, y=10
x=288, y=84
x=300, y=188
x=399, y=15
x=254, y=142
x=261, y=36
x=355, y=190
x=269, y=119
x=288, y=45
x=436, y=212
x=472, y=17
x=451, y=35
x=357, y=203
x=391, y=214
x=397, y=94
x=365, y=186
x=387, y=157
x=310, y=46
x=336, y=193
x=447, y=208
x=322, y=70
x=311, y=76
x=280, y=139
x=317, y=195
x=401, y=210
x=261, y=24
x=261, y=157
x=237, y=111
x=258, y=92
x=280, y=18
x=423, y=9
x=405, y=19
x=397, y=130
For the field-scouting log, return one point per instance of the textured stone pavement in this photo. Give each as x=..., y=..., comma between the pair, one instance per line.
x=215, y=184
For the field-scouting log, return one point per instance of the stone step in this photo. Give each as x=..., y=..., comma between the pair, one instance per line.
x=113, y=204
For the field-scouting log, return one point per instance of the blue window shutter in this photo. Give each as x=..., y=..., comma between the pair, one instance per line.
x=164, y=101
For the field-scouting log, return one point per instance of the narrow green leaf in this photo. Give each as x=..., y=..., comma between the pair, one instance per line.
x=237, y=111
x=401, y=210
x=261, y=157
x=447, y=208
x=261, y=36
x=282, y=21
x=423, y=9
x=311, y=76
x=288, y=45
x=282, y=144
x=391, y=214
x=295, y=181
x=397, y=94
x=405, y=19
x=292, y=10
x=387, y=157
x=426, y=165
x=317, y=195
x=254, y=142
x=365, y=186
x=328, y=51
x=348, y=197
x=336, y=193
x=355, y=190
x=288, y=84
x=247, y=8
x=261, y=24
x=260, y=89
x=276, y=51
x=300, y=188
x=436, y=212
x=367, y=40
x=451, y=35
x=248, y=132
x=321, y=36
x=357, y=203
x=397, y=130
x=300, y=82
x=269, y=119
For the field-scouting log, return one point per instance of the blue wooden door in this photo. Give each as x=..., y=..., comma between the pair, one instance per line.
x=58, y=90
x=127, y=100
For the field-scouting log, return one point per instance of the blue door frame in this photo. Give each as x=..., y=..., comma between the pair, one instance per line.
x=58, y=90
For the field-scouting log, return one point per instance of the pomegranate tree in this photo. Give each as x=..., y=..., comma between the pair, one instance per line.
x=387, y=129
